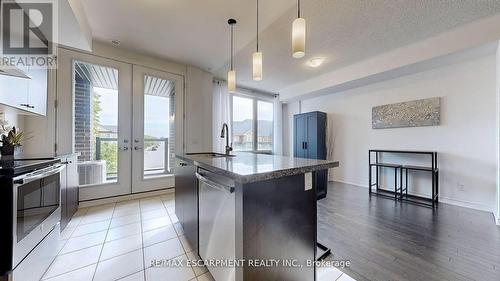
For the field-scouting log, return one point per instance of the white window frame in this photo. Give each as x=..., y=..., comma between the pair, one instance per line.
x=255, y=100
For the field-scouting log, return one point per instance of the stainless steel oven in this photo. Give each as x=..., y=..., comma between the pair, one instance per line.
x=36, y=209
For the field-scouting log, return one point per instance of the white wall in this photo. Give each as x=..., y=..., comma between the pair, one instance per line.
x=465, y=140
x=198, y=127
x=289, y=109
x=497, y=212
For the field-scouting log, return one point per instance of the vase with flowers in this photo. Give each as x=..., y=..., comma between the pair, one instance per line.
x=11, y=139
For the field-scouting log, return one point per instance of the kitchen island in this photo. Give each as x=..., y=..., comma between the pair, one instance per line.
x=250, y=216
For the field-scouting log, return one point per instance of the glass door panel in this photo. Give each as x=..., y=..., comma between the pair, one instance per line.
x=101, y=130
x=96, y=123
x=158, y=98
x=155, y=108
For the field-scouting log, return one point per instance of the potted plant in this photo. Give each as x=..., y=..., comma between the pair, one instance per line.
x=11, y=140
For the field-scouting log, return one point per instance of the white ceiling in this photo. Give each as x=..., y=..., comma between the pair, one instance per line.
x=342, y=31
x=188, y=31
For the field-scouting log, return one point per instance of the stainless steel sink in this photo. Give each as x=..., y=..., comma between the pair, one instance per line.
x=210, y=154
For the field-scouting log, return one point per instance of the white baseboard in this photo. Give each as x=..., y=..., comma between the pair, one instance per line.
x=382, y=187
x=92, y=203
x=351, y=183
x=446, y=200
x=465, y=204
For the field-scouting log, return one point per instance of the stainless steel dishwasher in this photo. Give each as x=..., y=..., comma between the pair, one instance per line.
x=216, y=222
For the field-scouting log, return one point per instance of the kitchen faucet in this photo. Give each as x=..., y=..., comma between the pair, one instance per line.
x=225, y=132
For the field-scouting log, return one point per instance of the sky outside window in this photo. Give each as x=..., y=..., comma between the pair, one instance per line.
x=156, y=112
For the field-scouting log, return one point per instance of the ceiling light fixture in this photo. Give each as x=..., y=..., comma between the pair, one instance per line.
x=231, y=74
x=298, y=35
x=257, y=56
x=315, y=62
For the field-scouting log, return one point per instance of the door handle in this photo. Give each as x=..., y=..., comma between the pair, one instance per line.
x=125, y=148
x=138, y=147
x=305, y=145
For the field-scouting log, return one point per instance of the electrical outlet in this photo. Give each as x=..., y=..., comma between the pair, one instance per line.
x=460, y=186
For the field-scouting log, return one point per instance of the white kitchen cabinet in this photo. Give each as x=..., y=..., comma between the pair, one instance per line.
x=28, y=95
x=14, y=91
x=37, y=91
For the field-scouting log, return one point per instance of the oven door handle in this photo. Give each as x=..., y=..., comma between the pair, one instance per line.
x=29, y=178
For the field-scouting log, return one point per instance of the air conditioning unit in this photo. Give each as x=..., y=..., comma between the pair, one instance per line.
x=92, y=172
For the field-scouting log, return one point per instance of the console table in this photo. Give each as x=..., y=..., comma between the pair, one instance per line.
x=400, y=192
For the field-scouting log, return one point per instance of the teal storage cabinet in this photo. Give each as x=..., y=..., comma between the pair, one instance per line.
x=310, y=142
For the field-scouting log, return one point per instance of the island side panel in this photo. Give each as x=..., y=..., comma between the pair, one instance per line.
x=238, y=217
x=278, y=222
x=186, y=200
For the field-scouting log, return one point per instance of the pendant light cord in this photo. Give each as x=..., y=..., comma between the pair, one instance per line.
x=231, y=47
x=298, y=8
x=257, y=25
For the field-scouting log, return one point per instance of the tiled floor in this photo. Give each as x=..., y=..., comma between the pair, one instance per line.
x=119, y=242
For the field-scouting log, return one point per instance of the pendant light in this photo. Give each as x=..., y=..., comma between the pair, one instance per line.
x=231, y=74
x=298, y=35
x=257, y=55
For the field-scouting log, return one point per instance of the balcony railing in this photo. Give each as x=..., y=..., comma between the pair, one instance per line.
x=156, y=152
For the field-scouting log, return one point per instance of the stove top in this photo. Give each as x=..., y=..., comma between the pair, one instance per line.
x=13, y=166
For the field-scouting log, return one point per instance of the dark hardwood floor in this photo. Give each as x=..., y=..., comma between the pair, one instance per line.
x=388, y=240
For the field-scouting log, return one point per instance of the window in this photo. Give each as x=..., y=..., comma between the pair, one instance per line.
x=252, y=124
x=264, y=126
x=242, y=124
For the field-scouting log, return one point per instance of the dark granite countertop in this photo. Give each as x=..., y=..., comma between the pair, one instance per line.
x=22, y=163
x=40, y=156
x=251, y=167
x=11, y=167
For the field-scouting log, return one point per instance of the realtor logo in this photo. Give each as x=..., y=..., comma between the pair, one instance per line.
x=28, y=31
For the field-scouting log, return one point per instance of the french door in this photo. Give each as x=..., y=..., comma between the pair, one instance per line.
x=155, y=104
x=123, y=124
